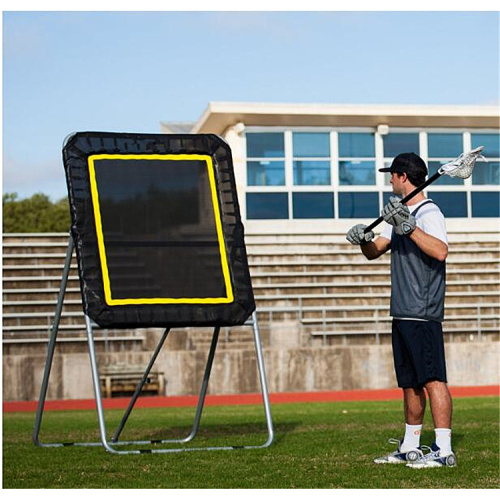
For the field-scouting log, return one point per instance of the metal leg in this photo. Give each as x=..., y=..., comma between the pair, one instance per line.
x=204, y=386
x=52, y=344
x=201, y=400
x=97, y=390
x=263, y=382
x=139, y=387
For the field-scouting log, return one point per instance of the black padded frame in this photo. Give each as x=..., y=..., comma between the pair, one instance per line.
x=76, y=152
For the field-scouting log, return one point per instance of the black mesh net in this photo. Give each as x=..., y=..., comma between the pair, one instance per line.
x=157, y=229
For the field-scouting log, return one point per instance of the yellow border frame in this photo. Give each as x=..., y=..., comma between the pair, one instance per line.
x=100, y=236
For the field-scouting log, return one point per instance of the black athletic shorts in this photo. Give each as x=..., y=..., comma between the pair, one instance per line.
x=418, y=350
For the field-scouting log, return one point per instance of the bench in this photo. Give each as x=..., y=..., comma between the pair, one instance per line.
x=120, y=380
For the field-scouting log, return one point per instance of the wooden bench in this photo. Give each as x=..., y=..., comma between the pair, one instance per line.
x=117, y=380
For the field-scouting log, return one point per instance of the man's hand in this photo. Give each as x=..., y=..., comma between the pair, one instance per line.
x=398, y=215
x=356, y=235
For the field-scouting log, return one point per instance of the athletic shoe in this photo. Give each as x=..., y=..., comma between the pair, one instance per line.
x=434, y=459
x=400, y=457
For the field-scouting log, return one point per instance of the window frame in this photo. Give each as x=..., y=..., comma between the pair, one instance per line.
x=380, y=160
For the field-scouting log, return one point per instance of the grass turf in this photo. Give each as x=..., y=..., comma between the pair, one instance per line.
x=317, y=445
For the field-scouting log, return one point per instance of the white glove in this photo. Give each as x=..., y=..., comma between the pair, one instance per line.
x=357, y=236
x=398, y=215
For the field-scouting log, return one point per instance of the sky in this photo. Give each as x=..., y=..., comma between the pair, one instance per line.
x=65, y=72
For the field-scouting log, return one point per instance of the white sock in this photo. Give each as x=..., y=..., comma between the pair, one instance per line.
x=443, y=439
x=411, y=440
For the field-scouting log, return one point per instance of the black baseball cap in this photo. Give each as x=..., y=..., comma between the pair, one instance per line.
x=407, y=163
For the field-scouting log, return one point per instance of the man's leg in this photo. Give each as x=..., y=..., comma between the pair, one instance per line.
x=441, y=403
x=414, y=408
x=441, y=409
x=414, y=405
x=441, y=454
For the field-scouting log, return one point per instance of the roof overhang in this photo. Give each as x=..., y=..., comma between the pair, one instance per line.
x=220, y=115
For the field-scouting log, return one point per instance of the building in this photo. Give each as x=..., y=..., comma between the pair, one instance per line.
x=305, y=174
x=314, y=167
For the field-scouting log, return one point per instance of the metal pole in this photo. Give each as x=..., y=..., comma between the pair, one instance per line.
x=140, y=385
x=97, y=385
x=263, y=381
x=204, y=386
x=52, y=342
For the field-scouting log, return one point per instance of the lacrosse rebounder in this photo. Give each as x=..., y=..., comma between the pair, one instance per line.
x=159, y=243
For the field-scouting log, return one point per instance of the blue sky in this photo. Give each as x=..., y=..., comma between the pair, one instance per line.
x=111, y=71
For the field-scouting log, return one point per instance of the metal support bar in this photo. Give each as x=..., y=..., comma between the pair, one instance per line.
x=263, y=383
x=52, y=342
x=140, y=385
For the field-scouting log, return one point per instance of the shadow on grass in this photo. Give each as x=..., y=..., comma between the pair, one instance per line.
x=213, y=431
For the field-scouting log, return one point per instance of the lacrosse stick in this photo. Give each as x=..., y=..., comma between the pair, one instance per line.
x=461, y=167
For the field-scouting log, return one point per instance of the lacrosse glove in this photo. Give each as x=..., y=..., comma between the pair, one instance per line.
x=398, y=215
x=357, y=236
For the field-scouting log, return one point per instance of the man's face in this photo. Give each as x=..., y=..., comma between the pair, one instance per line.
x=397, y=183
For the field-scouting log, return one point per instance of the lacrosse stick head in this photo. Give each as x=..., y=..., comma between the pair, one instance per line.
x=463, y=165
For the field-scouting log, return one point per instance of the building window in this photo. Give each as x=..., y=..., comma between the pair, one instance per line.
x=311, y=173
x=266, y=159
x=313, y=206
x=267, y=145
x=311, y=159
x=356, y=145
x=451, y=203
x=356, y=159
x=491, y=143
x=397, y=143
x=266, y=173
x=359, y=205
x=487, y=173
x=485, y=204
x=267, y=205
x=443, y=148
x=308, y=174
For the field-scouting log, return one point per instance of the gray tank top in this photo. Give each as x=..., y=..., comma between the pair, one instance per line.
x=418, y=281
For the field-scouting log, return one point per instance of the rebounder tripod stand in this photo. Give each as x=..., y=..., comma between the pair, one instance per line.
x=111, y=444
x=162, y=209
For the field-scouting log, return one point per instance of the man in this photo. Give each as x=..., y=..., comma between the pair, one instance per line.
x=416, y=235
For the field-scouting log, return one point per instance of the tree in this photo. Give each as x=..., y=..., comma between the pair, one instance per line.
x=37, y=214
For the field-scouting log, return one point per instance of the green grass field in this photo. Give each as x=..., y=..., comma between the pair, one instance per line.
x=318, y=445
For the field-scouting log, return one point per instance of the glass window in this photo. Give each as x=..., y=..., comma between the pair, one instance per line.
x=434, y=166
x=358, y=173
x=312, y=205
x=358, y=205
x=267, y=205
x=486, y=173
x=266, y=173
x=311, y=173
x=491, y=143
x=266, y=145
x=452, y=204
x=444, y=145
x=356, y=145
x=485, y=204
x=395, y=144
x=311, y=145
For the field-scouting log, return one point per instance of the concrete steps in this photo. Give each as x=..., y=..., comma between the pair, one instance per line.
x=320, y=281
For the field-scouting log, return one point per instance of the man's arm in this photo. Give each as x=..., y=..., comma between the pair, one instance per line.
x=374, y=249
x=431, y=246
x=405, y=224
